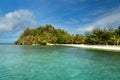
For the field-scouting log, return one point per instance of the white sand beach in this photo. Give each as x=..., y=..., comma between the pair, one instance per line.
x=99, y=47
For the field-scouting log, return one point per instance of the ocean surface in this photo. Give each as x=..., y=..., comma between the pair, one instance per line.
x=57, y=63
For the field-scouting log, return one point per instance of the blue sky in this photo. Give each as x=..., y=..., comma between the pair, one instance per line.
x=75, y=16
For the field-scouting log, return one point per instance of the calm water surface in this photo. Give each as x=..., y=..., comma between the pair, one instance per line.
x=57, y=63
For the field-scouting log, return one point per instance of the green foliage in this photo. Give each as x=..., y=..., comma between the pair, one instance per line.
x=48, y=34
x=79, y=39
x=103, y=36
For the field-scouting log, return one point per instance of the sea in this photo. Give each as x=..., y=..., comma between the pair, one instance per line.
x=18, y=62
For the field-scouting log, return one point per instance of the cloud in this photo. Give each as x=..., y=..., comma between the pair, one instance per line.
x=17, y=20
x=113, y=18
x=86, y=29
x=13, y=23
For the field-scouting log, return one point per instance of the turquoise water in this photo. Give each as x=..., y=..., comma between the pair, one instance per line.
x=57, y=63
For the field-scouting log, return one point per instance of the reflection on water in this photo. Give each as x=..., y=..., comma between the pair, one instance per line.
x=57, y=63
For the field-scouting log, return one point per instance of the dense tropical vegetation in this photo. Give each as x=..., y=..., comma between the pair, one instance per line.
x=48, y=34
x=103, y=36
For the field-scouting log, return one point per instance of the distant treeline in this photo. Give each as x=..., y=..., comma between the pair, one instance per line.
x=103, y=36
x=48, y=34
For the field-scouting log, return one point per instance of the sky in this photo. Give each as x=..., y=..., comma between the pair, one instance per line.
x=74, y=16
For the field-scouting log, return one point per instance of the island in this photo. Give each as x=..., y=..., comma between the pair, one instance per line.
x=44, y=35
x=48, y=34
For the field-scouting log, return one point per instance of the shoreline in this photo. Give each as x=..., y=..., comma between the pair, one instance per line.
x=98, y=47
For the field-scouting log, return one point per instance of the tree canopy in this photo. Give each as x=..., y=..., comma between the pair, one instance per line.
x=103, y=36
x=48, y=34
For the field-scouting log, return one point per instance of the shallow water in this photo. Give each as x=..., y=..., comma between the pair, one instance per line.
x=57, y=63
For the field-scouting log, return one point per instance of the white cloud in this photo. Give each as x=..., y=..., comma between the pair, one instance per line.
x=113, y=18
x=86, y=29
x=17, y=20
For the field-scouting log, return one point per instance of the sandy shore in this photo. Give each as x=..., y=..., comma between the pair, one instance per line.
x=100, y=47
